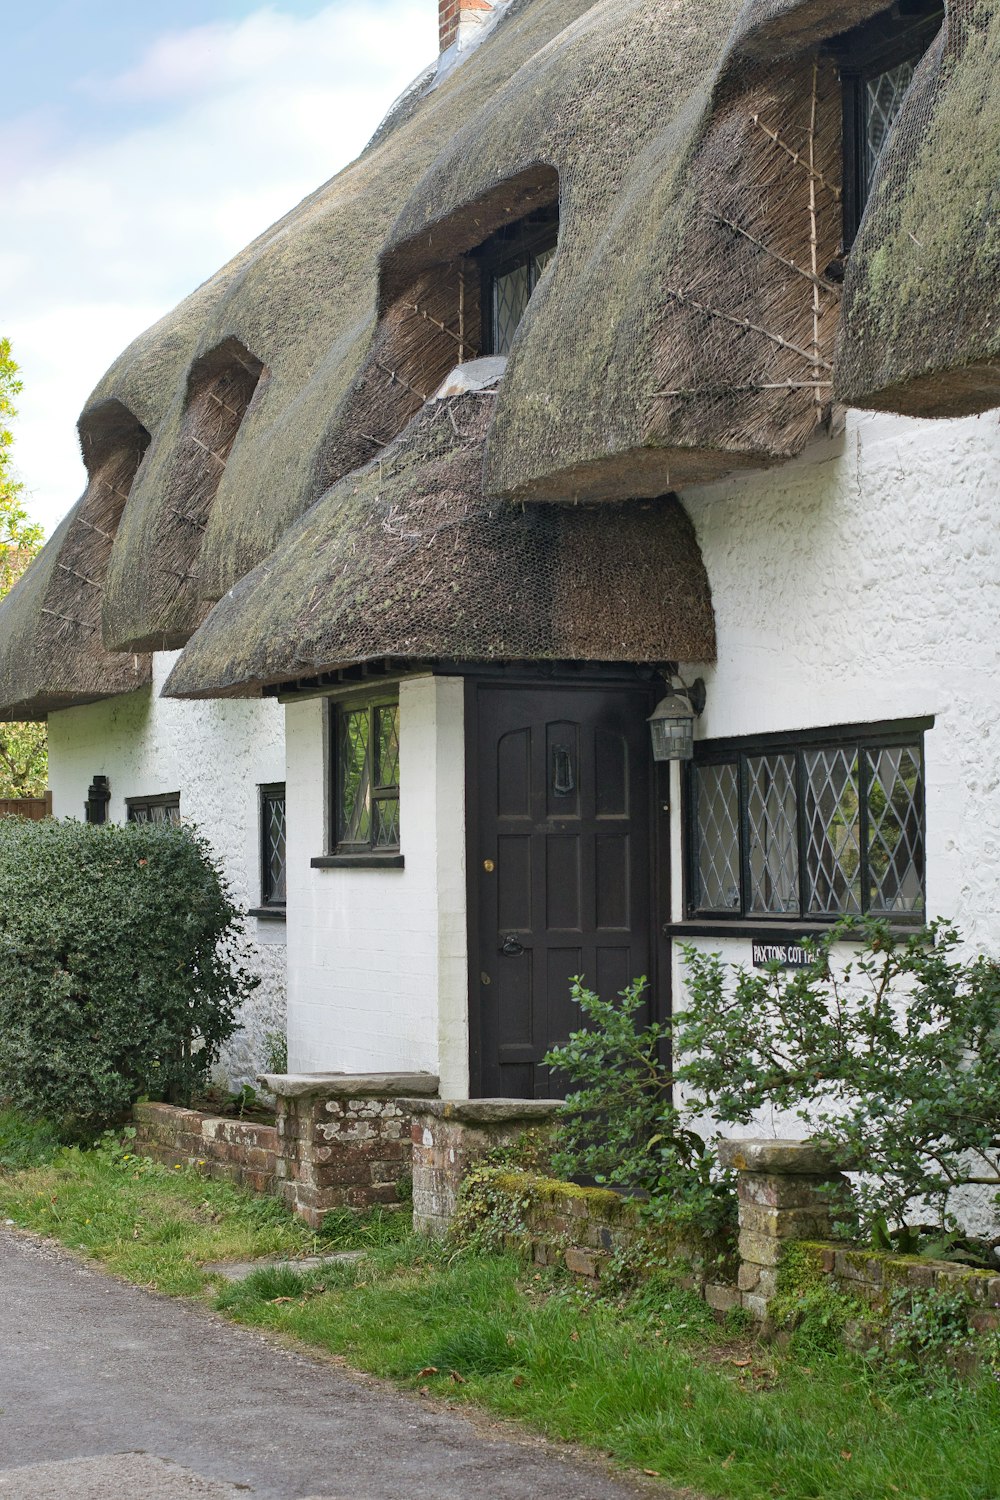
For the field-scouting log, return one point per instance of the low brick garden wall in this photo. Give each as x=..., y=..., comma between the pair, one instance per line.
x=344, y=1138
x=238, y=1150
x=586, y=1228
x=348, y=1140
x=878, y=1279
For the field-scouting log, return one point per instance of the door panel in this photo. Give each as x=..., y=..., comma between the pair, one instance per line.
x=561, y=855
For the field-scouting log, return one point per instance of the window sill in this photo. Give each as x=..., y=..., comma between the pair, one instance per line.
x=776, y=929
x=357, y=862
x=267, y=913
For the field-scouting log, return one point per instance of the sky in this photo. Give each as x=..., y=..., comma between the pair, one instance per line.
x=142, y=146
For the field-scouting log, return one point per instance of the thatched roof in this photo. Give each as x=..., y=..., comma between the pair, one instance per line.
x=50, y=623
x=406, y=560
x=921, y=331
x=684, y=328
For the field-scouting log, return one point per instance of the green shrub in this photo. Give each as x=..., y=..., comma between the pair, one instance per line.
x=119, y=967
x=620, y=1125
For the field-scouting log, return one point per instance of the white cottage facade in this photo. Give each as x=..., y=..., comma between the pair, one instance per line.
x=429, y=496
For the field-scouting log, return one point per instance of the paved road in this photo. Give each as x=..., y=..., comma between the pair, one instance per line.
x=91, y=1369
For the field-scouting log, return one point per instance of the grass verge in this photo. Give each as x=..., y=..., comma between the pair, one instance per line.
x=652, y=1381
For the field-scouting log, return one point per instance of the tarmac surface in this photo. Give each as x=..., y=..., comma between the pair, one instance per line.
x=108, y=1392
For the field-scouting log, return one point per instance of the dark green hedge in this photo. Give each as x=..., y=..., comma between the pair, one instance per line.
x=120, y=972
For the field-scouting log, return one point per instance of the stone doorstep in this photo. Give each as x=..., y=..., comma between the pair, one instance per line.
x=509, y=1112
x=350, y=1085
x=239, y=1270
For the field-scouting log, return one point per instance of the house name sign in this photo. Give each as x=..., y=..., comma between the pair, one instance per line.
x=788, y=955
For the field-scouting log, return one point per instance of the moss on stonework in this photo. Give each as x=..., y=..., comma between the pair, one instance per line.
x=600, y=1202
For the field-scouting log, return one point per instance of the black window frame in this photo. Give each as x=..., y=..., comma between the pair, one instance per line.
x=902, y=33
x=356, y=853
x=267, y=793
x=517, y=244
x=134, y=806
x=739, y=751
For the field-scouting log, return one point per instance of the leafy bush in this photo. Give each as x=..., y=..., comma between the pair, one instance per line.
x=893, y=1058
x=620, y=1125
x=119, y=967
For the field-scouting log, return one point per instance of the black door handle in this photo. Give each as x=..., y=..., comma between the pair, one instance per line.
x=511, y=947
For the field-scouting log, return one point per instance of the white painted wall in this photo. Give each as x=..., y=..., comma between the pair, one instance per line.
x=215, y=754
x=377, y=958
x=862, y=583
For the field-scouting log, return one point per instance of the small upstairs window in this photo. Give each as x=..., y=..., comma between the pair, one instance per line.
x=512, y=262
x=877, y=63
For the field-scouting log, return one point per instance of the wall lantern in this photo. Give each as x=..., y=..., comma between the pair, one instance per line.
x=671, y=724
x=98, y=796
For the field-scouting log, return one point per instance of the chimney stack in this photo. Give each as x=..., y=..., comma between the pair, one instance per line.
x=457, y=19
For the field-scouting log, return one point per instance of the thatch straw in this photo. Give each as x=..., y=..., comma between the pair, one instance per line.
x=50, y=625
x=684, y=328
x=153, y=600
x=406, y=560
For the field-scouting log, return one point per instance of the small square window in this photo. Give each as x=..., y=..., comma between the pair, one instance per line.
x=272, y=850
x=830, y=826
x=365, y=738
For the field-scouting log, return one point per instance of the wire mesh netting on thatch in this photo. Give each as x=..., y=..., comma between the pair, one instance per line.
x=921, y=329
x=406, y=559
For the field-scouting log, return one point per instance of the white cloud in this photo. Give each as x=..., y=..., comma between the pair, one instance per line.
x=110, y=230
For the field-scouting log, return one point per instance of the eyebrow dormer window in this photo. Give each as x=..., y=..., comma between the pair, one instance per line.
x=877, y=63
x=512, y=262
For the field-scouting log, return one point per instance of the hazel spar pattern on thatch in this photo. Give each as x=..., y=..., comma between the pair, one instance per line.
x=406, y=559
x=50, y=637
x=921, y=331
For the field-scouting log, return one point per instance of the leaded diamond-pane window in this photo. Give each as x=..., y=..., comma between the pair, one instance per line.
x=772, y=822
x=718, y=842
x=883, y=98
x=163, y=808
x=512, y=262
x=833, y=831
x=366, y=777
x=827, y=827
x=877, y=62
x=272, y=830
x=895, y=830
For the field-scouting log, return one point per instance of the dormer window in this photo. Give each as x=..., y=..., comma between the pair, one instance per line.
x=512, y=262
x=877, y=63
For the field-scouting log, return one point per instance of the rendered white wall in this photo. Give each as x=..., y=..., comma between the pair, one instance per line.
x=862, y=583
x=215, y=754
x=377, y=958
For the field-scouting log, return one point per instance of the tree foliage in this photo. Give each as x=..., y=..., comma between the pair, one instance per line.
x=893, y=1058
x=619, y=1124
x=120, y=970
x=23, y=747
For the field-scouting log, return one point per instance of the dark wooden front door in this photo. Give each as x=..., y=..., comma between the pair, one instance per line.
x=561, y=867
